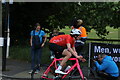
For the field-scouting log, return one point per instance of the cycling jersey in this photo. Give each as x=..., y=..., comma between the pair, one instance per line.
x=62, y=40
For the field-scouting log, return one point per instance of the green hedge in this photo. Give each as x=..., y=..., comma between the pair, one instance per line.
x=23, y=53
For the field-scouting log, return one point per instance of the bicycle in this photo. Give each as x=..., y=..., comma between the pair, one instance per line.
x=73, y=74
x=70, y=73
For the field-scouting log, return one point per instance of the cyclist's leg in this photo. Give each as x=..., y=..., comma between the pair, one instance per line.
x=67, y=56
x=58, y=53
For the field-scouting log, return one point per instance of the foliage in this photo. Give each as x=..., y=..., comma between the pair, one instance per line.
x=23, y=53
x=52, y=15
x=100, y=15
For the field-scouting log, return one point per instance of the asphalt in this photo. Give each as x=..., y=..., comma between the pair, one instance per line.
x=18, y=70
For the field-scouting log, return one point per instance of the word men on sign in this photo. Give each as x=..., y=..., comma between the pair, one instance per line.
x=99, y=49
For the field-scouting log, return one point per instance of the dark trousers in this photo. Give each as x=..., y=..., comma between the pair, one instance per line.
x=106, y=76
x=35, y=57
x=79, y=45
x=79, y=48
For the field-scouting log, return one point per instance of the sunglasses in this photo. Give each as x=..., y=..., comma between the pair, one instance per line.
x=77, y=35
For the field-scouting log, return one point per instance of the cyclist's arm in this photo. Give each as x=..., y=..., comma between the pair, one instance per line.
x=72, y=50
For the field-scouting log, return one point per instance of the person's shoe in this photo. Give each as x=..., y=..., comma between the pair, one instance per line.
x=59, y=72
x=30, y=71
x=37, y=71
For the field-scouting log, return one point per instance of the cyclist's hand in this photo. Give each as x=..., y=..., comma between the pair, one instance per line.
x=79, y=57
x=83, y=59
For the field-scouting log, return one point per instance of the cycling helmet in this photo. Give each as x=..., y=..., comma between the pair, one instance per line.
x=75, y=32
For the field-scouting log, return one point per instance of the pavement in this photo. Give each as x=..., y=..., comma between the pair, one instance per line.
x=19, y=70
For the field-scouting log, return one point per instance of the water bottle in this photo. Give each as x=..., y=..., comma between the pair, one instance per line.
x=68, y=67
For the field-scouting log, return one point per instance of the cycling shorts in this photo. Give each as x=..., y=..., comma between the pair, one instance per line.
x=57, y=50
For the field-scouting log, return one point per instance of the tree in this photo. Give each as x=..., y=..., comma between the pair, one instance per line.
x=59, y=14
x=100, y=15
x=95, y=15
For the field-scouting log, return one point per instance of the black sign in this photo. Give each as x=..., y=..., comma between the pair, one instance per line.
x=109, y=49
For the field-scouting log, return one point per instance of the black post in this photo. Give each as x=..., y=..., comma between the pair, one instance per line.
x=4, y=55
x=0, y=36
x=5, y=24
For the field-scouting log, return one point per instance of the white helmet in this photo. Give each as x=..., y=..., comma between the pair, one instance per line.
x=75, y=32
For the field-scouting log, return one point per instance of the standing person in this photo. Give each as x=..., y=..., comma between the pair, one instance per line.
x=37, y=42
x=78, y=24
x=64, y=45
x=108, y=66
x=55, y=32
x=82, y=29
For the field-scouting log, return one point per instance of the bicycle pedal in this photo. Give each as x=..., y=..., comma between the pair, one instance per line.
x=57, y=77
x=56, y=74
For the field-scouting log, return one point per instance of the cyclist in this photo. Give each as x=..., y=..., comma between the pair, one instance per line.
x=64, y=45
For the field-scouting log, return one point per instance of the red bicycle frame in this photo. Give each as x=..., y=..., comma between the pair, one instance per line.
x=55, y=65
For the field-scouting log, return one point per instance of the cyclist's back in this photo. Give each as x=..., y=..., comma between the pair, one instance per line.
x=62, y=40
